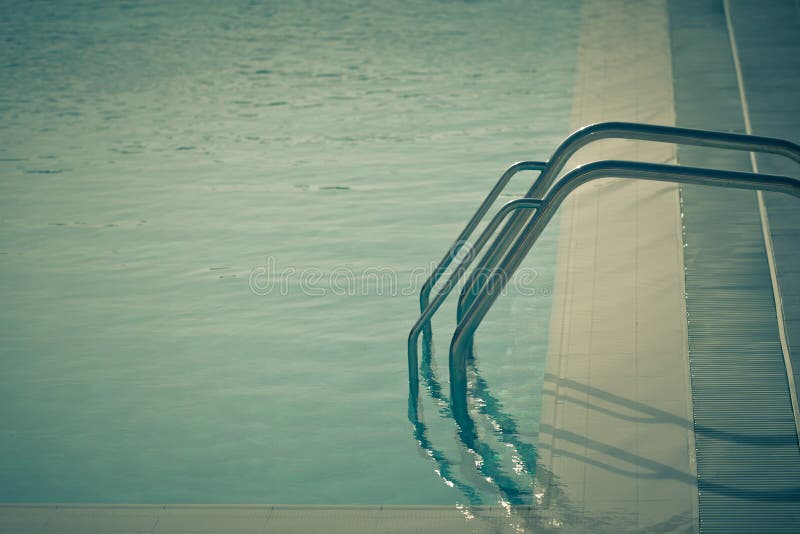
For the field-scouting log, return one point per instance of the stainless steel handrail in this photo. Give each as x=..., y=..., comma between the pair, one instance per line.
x=427, y=287
x=602, y=169
x=617, y=130
x=433, y=306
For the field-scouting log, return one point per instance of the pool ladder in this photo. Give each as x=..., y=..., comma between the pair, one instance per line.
x=513, y=242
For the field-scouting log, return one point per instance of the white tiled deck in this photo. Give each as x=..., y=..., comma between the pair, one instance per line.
x=616, y=422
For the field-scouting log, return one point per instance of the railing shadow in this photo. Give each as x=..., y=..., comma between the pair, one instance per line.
x=653, y=415
x=642, y=467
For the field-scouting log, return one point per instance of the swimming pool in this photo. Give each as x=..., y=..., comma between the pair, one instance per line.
x=214, y=224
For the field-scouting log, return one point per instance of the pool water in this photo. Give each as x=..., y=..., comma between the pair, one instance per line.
x=214, y=221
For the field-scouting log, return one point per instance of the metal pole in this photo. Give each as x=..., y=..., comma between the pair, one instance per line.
x=430, y=309
x=617, y=130
x=593, y=171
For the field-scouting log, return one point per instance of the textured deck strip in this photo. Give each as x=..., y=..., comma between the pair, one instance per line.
x=748, y=460
x=770, y=62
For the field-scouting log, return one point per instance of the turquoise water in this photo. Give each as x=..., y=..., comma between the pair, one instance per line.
x=163, y=165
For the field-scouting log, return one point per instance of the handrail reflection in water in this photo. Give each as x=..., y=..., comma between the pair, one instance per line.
x=467, y=435
x=532, y=509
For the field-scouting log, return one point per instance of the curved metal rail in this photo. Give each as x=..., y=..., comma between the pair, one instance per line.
x=550, y=203
x=455, y=248
x=430, y=308
x=617, y=130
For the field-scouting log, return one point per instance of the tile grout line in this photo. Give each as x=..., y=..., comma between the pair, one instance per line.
x=688, y=399
x=765, y=227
